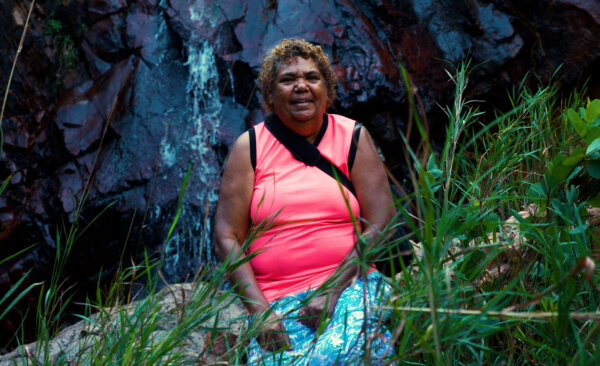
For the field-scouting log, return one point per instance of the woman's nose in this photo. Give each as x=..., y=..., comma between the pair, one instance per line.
x=300, y=84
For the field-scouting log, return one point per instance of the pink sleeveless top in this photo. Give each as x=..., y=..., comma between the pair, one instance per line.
x=310, y=229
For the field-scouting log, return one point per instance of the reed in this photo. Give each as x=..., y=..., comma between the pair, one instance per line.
x=484, y=291
x=14, y=291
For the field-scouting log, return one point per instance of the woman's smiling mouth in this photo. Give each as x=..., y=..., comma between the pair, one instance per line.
x=301, y=102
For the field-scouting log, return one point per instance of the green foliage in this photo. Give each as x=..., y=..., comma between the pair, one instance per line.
x=63, y=43
x=53, y=27
x=5, y=308
x=484, y=291
x=583, y=159
x=5, y=183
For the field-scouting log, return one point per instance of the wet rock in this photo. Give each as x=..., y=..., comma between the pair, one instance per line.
x=96, y=65
x=577, y=33
x=82, y=113
x=140, y=32
x=7, y=222
x=71, y=186
x=106, y=37
x=589, y=7
x=15, y=135
x=500, y=42
x=105, y=7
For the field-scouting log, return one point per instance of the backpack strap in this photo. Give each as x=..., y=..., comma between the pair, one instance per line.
x=304, y=151
x=252, y=136
x=354, y=145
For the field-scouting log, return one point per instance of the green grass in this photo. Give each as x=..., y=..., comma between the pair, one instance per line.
x=543, y=308
x=482, y=291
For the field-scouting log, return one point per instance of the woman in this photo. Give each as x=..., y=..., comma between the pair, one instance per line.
x=310, y=237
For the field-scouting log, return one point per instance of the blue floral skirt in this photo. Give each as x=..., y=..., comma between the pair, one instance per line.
x=351, y=331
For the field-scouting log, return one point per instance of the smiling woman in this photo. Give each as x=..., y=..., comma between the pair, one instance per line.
x=311, y=240
x=300, y=96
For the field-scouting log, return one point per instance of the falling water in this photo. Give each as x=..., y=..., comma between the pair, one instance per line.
x=203, y=90
x=192, y=243
x=195, y=134
x=231, y=83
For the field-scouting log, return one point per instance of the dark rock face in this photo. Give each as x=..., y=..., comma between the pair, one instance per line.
x=116, y=99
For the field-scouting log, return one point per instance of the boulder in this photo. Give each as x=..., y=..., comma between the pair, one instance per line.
x=180, y=311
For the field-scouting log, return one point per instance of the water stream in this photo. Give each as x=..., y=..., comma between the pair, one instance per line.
x=191, y=244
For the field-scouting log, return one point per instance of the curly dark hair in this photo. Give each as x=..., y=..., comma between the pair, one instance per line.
x=287, y=50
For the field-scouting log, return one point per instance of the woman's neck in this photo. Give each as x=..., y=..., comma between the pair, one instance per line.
x=307, y=129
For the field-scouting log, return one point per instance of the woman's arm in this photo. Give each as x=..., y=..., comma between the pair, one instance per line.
x=377, y=210
x=372, y=188
x=232, y=222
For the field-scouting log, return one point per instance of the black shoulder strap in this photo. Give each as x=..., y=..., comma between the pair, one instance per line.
x=304, y=151
x=354, y=145
x=252, y=136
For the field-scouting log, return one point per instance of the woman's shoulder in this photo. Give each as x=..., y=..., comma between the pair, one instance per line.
x=249, y=140
x=257, y=129
x=341, y=120
x=247, y=137
x=344, y=125
x=241, y=144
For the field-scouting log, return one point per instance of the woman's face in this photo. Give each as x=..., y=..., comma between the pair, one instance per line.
x=299, y=92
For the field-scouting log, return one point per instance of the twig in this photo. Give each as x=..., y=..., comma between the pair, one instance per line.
x=543, y=315
x=93, y=169
x=12, y=70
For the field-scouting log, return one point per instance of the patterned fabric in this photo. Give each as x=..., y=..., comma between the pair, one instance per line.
x=343, y=340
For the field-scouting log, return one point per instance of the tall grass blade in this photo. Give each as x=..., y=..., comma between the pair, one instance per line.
x=12, y=70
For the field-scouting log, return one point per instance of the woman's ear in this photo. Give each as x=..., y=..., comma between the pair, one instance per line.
x=329, y=102
x=266, y=108
x=268, y=102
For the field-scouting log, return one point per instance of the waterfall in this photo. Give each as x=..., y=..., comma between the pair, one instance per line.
x=203, y=89
x=231, y=84
x=191, y=244
x=202, y=121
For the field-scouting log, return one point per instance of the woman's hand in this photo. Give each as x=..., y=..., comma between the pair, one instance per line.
x=323, y=305
x=274, y=335
x=319, y=307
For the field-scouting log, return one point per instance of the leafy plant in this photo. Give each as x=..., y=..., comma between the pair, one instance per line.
x=583, y=159
x=486, y=289
x=64, y=44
